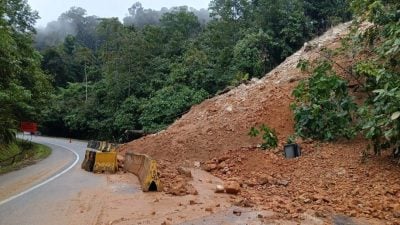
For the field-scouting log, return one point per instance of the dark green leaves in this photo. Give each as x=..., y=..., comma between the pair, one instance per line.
x=168, y=104
x=381, y=71
x=270, y=140
x=323, y=109
x=24, y=88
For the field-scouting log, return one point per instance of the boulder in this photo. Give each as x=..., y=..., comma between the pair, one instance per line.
x=219, y=189
x=185, y=172
x=210, y=167
x=232, y=187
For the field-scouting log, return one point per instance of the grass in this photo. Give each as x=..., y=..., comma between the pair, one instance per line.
x=27, y=154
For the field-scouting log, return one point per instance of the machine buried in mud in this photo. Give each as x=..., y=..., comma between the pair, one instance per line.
x=100, y=157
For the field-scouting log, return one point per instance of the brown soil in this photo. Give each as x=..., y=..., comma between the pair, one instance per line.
x=330, y=178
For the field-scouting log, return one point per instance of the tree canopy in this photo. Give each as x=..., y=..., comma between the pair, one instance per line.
x=145, y=72
x=24, y=88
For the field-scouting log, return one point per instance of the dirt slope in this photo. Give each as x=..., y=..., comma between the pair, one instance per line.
x=329, y=179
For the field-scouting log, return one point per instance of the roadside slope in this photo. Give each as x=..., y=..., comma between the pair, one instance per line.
x=330, y=179
x=222, y=123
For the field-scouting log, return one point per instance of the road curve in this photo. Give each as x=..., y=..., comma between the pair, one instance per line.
x=42, y=193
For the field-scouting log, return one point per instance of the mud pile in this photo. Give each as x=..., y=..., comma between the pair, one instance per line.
x=330, y=178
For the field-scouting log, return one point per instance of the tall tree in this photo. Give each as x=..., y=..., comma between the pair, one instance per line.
x=23, y=86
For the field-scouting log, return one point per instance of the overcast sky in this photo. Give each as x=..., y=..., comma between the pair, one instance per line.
x=49, y=10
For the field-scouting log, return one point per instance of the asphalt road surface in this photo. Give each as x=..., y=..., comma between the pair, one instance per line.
x=41, y=193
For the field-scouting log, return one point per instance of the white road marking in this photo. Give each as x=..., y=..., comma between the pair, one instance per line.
x=46, y=181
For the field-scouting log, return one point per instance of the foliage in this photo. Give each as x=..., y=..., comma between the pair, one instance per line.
x=291, y=139
x=20, y=154
x=144, y=73
x=23, y=86
x=379, y=117
x=167, y=104
x=251, y=54
x=323, y=108
x=270, y=140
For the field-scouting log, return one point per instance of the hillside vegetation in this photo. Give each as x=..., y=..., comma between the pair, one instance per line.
x=111, y=77
x=320, y=96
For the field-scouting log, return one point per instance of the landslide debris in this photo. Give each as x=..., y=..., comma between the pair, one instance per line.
x=329, y=179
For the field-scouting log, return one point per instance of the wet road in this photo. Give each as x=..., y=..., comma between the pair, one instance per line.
x=42, y=193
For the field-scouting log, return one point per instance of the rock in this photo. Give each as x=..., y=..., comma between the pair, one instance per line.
x=283, y=182
x=320, y=214
x=232, y=187
x=197, y=164
x=222, y=165
x=210, y=167
x=185, y=172
x=218, y=205
x=396, y=210
x=266, y=180
x=251, y=182
x=219, y=189
x=237, y=212
x=225, y=170
x=209, y=209
x=254, y=80
x=178, y=190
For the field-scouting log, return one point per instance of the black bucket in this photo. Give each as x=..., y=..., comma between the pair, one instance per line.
x=292, y=151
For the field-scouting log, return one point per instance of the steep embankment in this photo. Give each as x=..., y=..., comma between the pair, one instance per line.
x=329, y=179
x=222, y=123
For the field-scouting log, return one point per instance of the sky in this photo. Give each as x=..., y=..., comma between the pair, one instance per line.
x=50, y=10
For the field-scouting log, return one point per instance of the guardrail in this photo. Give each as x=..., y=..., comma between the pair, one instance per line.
x=145, y=168
x=100, y=157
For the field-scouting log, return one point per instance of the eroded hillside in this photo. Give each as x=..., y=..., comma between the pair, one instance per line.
x=329, y=179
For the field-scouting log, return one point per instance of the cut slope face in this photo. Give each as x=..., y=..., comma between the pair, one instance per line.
x=222, y=123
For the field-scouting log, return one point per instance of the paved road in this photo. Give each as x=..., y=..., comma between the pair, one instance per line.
x=51, y=202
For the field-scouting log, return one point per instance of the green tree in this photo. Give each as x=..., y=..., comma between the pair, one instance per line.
x=323, y=108
x=23, y=86
x=252, y=54
x=381, y=70
x=167, y=105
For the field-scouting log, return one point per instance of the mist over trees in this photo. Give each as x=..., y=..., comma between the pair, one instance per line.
x=77, y=23
x=139, y=17
x=73, y=22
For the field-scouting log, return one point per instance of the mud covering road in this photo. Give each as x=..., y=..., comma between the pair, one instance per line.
x=78, y=197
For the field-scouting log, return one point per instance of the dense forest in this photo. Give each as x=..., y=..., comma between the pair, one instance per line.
x=144, y=73
x=88, y=77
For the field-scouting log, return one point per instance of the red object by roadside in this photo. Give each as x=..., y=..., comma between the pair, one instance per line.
x=29, y=127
